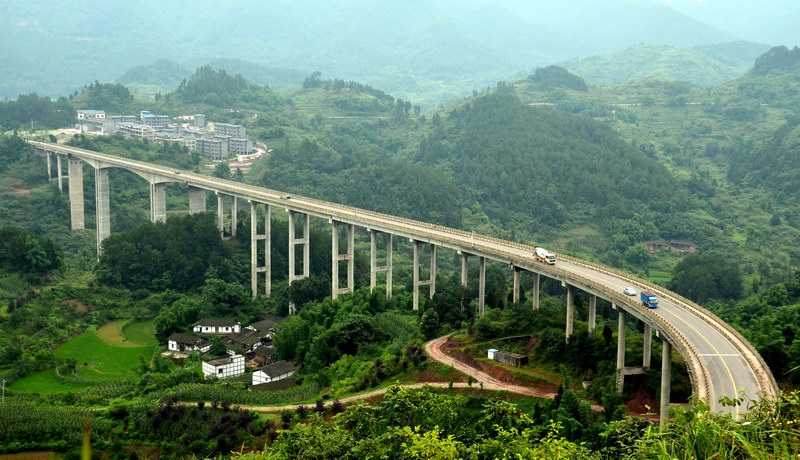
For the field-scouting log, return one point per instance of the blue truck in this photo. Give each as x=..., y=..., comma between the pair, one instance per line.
x=649, y=299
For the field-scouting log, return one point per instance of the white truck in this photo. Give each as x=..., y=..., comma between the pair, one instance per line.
x=544, y=256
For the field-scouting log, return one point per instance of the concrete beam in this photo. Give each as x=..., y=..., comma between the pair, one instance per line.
x=666, y=378
x=103, y=207
x=570, y=312
x=197, y=200
x=158, y=202
x=592, y=313
x=535, y=291
x=515, y=292
x=76, y=203
x=621, y=349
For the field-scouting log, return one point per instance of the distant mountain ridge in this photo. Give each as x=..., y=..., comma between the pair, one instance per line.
x=411, y=47
x=705, y=66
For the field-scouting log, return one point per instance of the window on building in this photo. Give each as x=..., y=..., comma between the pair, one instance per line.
x=219, y=371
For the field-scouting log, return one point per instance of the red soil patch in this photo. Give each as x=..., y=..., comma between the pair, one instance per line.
x=640, y=403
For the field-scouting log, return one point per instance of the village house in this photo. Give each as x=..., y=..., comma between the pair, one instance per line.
x=507, y=357
x=264, y=355
x=266, y=326
x=244, y=342
x=222, y=326
x=223, y=368
x=273, y=372
x=187, y=343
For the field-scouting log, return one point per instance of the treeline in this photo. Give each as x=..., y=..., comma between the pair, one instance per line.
x=23, y=252
x=552, y=77
x=314, y=80
x=111, y=97
x=778, y=58
x=212, y=87
x=35, y=111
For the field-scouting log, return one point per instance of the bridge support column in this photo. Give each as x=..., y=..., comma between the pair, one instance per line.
x=647, y=346
x=76, y=204
x=255, y=238
x=220, y=216
x=158, y=202
x=336, y=258
x=535, y=291
x=464, y=269
x=103, y=207
x=49, y=166
x=515, y=293
x=481, y=285
x=374, y=269
x=621, y=349
x=666, y=377
x=234, y=216
x=58, y=171
x=197, y=200
x=430, y=281
x=293, y=242
x=592, y=313
x=570, y=312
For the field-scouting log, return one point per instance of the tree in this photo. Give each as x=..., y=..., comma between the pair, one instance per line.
x=702, y=277
x=217, y=347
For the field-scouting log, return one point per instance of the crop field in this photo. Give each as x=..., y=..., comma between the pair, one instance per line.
x=97, y=359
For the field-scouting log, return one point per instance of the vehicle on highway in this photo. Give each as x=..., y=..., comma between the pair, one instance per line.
x=177, y=171
x=286, y=197
x=629, y=291
x=543, y=255
x=649, y=299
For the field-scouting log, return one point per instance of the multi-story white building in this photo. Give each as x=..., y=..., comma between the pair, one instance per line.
x=137, y=130
x=86, y=114
x=123, y=118
x=217, y=326
x=240, y=145
x=227, y=129
x=213, y=149
x=153, y=120
x=224, y=368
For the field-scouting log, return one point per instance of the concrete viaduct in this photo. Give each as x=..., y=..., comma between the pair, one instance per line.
x=719, y=360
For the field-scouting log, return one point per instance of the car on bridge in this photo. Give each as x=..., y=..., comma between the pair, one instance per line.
x=286, y=197
x=629, y=291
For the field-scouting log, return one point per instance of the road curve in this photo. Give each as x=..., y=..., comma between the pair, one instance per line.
x=720, y=362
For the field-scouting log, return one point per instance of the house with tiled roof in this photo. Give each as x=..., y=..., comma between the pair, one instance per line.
x=273, y=372
x=187, y=343
x=222, y=326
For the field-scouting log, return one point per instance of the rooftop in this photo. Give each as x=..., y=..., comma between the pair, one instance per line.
x=187, y=339
x=216, y=322
x=277, y=369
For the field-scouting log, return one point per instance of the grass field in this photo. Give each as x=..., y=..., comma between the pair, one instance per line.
x=97, y=359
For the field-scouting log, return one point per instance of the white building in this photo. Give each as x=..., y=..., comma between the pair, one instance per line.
x=85, y=114
x=153, y=120
x=223, y=368
x=272, y=373
x=223, y=326
x=187, y=343
x=227, y=129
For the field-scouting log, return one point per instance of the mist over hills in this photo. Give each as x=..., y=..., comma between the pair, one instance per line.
x=411, y=48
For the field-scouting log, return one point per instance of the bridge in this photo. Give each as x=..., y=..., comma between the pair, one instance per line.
x=720, y=362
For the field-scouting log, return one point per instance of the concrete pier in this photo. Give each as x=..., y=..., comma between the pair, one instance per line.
x=570, y=312
x=535, y=291
x=515, y=292
x=158, y=202
x=103, y=207
x=76, y=204
x=197, y=200
x=464, y=269
x=417, y=282
x=294, y=242
x=374, y=269
x=481, y=285
x=234, y=216
x=621, y=349
x=58, y=172
x=336, y=257
x=256, y=239
x=666, y=378
x=592, y=313
x=220, y=216
x=647, y=346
